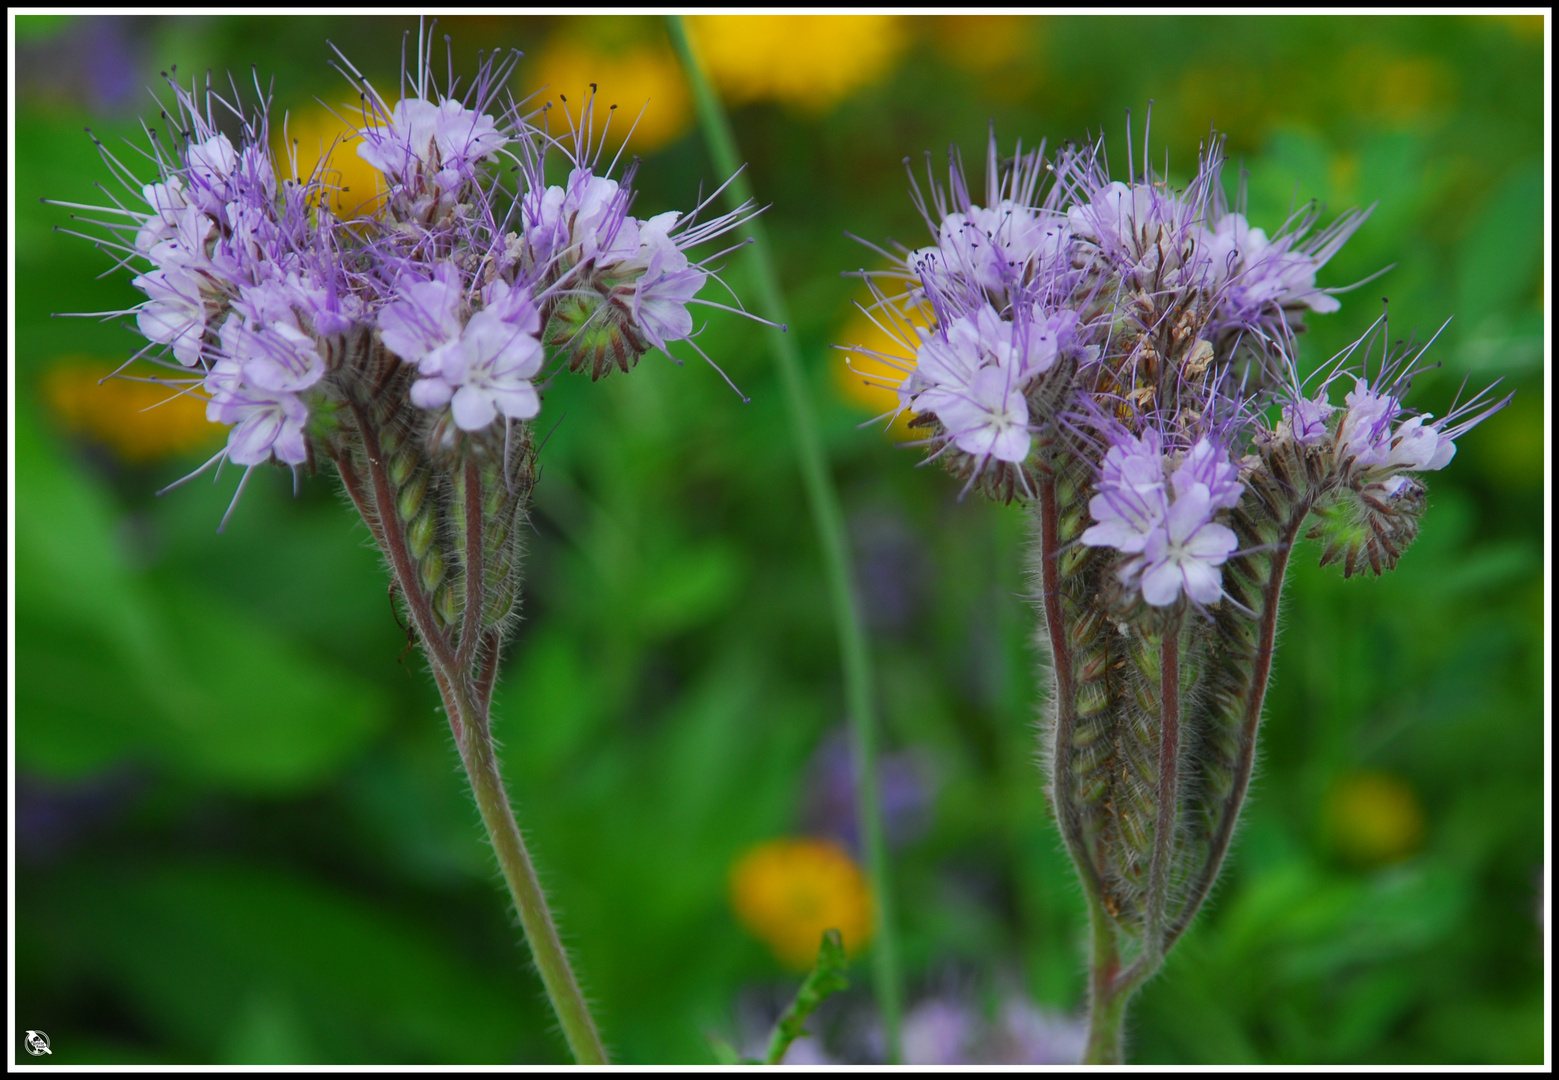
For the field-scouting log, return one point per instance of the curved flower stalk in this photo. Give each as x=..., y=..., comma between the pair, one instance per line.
x=1119, y=356
x=408, y=349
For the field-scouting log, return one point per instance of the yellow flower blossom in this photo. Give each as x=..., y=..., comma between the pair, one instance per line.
x=1373, y=818
x=787, y=892
x=813, y=61
x=1524, y=26
x=137, y=421
x=1409, y=87
x=985, y=42
x=642, y=76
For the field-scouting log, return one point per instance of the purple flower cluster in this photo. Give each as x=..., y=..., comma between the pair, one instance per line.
x=1166, y=526
x=971, y=375
x=1143, y=328
x=267, y=303
x=586, y=224
x=232, y=292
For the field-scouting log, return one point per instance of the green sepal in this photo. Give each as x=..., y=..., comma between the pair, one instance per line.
x=323, y=422
x=1367, y=528
x=594, y=330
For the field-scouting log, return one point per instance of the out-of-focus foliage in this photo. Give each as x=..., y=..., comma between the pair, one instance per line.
x=241, y=831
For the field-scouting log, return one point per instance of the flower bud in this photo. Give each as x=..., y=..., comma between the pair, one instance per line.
x=592, y=325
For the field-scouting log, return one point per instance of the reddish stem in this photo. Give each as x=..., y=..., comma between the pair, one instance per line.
x=360, y=498
x=471, y=621
x=1168, y=787
x=393, y=542
x=1067, y=813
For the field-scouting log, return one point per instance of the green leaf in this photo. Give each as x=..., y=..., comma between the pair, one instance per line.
x=275, y=968
x=111, y=667
x=689, y=586
x=1503, y=247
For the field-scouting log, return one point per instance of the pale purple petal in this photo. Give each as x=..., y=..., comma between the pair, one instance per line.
x=520, y=402
x=1203, y=583
x=473, y=408
x=431, y=393
x=1212, y=543
x=1161, y=583
x=1189, y=512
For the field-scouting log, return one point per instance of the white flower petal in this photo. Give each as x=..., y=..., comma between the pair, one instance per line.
x=473, y=408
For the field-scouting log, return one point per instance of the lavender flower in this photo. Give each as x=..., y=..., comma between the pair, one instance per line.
x=420, y=137
x=1180, y=545
x=950, y=1030
x=996, y=252
x=828, y=800
x=1110, y=350
x=623, y=285
x=1184, y=553
x=1131, y=502
x=1304, y=420
x=1266, y=285
x=938, y=1032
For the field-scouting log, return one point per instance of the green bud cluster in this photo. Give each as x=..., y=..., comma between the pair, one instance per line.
x=592, y=325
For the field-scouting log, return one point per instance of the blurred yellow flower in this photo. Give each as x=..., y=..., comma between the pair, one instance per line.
x=1373, y=818
x=985, y=42
x=320, y=135
x=137, y=421
x=1526, y=26
x=867, y=380
x=640, y=77
x=1411, y=86
x=787, y=892
x=1400, y=90
x=808, y=60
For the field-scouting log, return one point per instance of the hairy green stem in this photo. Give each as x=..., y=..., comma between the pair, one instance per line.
x=481, y=762
x=826, y=977
x=1106, y=1001
x=824, y=503
x=465, y=675
x=1068, y=814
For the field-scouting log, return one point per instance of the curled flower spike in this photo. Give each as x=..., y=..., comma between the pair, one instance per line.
x=407, y=347
x=1108, y=350
x=621, y=286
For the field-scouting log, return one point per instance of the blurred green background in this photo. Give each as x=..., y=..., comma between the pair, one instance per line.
x=242, y=835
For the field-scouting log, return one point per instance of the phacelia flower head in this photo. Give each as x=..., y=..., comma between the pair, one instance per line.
x=1264, y=285
x=429, y=318
x=622, y=285
x=1073, y=295
x=1004, y=253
